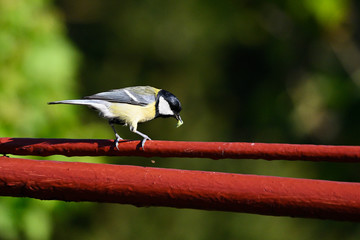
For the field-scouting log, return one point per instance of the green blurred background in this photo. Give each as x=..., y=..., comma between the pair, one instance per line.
x=262, y=71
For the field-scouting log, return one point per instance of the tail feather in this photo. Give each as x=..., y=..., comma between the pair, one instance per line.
x=75, y=102
x=100, y=105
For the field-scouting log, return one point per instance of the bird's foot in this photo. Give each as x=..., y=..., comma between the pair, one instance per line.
x=143, y=141
x=118, y=138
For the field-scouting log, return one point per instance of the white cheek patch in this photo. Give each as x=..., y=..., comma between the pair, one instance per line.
x=164, y=107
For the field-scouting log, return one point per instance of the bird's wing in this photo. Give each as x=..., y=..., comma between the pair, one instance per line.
x=141, y=95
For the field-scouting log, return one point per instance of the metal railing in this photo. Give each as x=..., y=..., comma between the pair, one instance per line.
x=147, y=186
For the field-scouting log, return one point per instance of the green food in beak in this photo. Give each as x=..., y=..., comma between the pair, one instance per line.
x=180, y=121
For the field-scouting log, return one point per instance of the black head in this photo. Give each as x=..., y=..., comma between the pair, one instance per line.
x=167, y=105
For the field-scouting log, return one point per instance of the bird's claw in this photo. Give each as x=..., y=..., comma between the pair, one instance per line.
x=118, y=138
x=143, y=142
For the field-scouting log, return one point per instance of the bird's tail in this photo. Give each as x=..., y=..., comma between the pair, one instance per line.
x=100, y=105
x=78, y=102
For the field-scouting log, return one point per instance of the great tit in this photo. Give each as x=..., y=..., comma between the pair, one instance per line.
x=130, y=106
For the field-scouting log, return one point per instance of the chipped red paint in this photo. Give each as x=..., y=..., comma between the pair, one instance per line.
x=145, y=186
x=214, y=150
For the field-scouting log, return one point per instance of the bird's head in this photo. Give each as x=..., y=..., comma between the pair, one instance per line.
x=167, y=105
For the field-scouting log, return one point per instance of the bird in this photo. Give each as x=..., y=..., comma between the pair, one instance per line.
x=130, y=106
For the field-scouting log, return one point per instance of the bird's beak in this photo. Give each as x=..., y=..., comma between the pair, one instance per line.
x=180, y=121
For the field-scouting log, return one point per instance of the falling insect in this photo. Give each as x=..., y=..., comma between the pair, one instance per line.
x=130, y=106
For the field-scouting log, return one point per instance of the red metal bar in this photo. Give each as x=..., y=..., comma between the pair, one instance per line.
x=214, y=150
x=145, y=186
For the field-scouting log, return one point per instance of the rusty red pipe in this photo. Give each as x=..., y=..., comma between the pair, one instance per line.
x=145, y=186
x=214, y=150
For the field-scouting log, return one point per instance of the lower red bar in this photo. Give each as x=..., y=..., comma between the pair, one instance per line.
x=145, y=186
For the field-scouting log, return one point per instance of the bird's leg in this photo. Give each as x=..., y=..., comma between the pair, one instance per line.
x=145, y=137
x=117, y=136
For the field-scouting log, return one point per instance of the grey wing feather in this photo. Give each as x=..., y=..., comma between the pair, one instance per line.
x=141, y=95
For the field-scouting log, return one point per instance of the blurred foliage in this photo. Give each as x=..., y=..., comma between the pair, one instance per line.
x=264, y=71
x=37, y=63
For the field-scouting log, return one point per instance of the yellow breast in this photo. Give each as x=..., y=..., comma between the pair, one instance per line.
x=132, y=114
